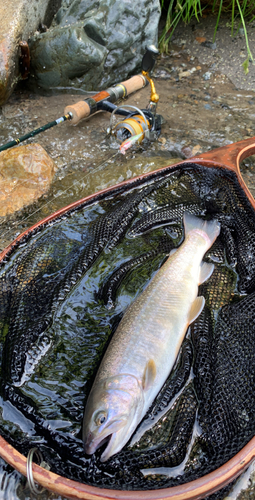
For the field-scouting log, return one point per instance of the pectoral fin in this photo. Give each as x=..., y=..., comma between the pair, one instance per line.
x=149, y=374
x=196, y=308
x=206, y=271
x=173, y=251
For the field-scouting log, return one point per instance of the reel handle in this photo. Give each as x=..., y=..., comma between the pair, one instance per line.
x=83, y=109
x=149, y=58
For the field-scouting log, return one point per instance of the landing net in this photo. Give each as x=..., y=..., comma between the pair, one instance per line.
x=65, y=287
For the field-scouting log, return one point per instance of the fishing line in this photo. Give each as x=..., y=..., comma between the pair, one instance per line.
x=58, y=195
x=78, y=91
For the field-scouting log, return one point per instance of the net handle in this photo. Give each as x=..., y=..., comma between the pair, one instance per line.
x=193, y=490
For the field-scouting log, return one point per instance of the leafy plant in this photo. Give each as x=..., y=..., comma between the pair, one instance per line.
x=184, y=10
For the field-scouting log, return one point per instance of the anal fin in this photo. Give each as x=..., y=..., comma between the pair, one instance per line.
x=196, y=308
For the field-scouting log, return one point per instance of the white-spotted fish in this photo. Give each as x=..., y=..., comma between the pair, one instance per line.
x=146, y=343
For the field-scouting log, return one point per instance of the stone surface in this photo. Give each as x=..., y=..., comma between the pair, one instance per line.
x=26, y=173
x=19, y=19
x=92, y=44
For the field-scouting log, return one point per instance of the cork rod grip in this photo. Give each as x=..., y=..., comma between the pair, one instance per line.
x=81, y=109
x=135, y=83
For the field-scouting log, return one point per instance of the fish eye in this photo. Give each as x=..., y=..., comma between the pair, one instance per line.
x=100, y=418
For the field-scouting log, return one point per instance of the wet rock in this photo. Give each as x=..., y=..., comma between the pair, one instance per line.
x=162, y=73
x=197, y=150
x=187, y=152
x=207, y=75
x=26, y=173
x=225, y=105
x=209, y=45
x=92, y=44
x=14, y=27
x=200, y=39
x=187, y=73
x=184, y=74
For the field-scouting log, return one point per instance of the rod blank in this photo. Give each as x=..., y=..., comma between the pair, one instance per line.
x=35, y=132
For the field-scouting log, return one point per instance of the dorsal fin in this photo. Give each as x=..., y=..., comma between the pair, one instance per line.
x=149, y=374
x=196, y=308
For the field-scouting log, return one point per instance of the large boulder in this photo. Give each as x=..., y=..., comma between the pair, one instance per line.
x=19, y=19
x=26, y=173
x=92, y=44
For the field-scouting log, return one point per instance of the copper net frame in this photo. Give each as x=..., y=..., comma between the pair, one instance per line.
x=228, y=157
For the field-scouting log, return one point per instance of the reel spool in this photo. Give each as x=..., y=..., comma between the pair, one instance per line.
x=135, y=124
x=139, y=125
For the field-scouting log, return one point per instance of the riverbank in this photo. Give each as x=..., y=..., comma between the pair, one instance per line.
x=226, y=54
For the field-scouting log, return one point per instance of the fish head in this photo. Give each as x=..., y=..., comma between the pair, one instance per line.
x=112, y=413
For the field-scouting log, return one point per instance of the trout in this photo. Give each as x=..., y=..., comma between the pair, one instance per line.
x=146, y=343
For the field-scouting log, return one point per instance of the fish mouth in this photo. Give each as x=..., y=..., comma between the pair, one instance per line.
x=115, y=436
x=108, y=452
x=92, y=444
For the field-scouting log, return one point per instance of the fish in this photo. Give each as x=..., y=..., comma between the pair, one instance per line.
x=144, y=348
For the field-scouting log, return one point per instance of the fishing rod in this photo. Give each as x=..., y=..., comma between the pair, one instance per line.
x=15, y=142
x=137, y=125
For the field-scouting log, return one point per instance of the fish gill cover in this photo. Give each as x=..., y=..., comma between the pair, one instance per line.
x=64, y=289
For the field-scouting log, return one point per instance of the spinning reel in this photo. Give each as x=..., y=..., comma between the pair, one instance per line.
x=139, y=123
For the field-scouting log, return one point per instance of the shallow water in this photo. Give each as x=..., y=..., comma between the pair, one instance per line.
x=199, y=115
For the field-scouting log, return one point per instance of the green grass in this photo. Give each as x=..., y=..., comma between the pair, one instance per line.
x=240, y=12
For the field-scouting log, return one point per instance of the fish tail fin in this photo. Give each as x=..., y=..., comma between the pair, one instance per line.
x=210, y=228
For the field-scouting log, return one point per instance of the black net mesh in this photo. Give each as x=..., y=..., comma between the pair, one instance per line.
x=64, y=289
